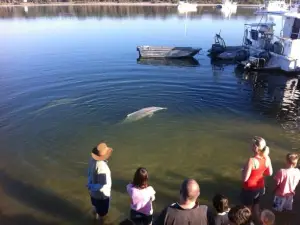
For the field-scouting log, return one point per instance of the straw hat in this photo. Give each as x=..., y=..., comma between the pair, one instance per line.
x=101, y=152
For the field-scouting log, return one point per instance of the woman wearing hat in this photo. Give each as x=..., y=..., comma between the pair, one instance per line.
x=99, y=179
x=256, y=168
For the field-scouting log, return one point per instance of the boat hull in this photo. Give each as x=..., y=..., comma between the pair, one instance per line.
x=166, y=52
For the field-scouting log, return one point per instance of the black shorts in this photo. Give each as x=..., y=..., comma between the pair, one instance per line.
x=101, y=206
x=251, y=197
x=140, y=218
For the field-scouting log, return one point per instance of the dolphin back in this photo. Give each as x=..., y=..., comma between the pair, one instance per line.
x=137, y=115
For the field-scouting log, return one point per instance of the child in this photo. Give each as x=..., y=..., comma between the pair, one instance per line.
x=141, y=195
x=267, y=217
x=220, y=203
x=286, y=181
x=99, y=180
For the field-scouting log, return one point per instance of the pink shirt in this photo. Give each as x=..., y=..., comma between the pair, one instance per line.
x=287, y=180
x=141, y=199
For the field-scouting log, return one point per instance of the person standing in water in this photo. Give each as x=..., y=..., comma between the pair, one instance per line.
x=142, y=195
x=253, y=174
x=99, y=180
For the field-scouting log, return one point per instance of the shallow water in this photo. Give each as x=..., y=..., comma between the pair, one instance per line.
x=70, y=75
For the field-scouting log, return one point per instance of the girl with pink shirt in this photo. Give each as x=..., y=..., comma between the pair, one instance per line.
x=286, y=182
x=142, y=195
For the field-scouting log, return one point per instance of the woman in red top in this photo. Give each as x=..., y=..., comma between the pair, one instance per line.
x=256, y=168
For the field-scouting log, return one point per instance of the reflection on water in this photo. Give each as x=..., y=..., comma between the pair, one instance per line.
x=169, y=62
x=115, y=11
x=275, y=95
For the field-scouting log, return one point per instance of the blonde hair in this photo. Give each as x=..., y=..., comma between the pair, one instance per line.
x=261, y=144
x=267, y=217
x=292, y=159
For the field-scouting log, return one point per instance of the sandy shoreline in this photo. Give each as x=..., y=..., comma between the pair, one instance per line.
x=110, y=4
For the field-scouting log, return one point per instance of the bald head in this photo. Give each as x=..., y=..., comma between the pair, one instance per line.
x=189, y=190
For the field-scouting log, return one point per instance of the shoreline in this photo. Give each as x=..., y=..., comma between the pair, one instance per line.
x=110, y=4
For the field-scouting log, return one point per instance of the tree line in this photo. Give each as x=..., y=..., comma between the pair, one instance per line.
x=16, y=2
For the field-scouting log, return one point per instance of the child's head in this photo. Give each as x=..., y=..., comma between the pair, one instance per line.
x=267, y=217
x=127, y=222
x=220, y=203
x=239, y=215
x=292, y=159
x=140, y=178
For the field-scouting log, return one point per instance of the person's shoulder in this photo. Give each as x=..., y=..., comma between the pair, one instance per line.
x=150, y=189
x=129, y=186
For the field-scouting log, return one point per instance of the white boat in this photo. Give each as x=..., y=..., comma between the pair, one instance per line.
x=228, y=6
x=184, y=7
x=269, y=51
x=273, y=6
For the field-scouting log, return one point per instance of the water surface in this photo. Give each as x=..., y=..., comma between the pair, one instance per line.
x=70, y=75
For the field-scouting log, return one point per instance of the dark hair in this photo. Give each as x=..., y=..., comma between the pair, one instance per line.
x=140, y=178
x=95, y=151
x=220, y=203
x=240, y=215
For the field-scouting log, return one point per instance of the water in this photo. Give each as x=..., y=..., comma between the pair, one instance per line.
x=70, y=75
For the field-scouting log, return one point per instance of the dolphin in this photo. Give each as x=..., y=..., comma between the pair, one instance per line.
x=142, y=113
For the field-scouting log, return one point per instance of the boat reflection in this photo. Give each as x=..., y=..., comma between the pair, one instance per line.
x=186, y=62
x=276, y=95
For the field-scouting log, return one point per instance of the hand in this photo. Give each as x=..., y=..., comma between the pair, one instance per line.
x=93, y=187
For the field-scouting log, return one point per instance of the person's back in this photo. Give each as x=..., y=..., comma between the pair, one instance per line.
x=175, y=215
x=187, y=211
x=141, y=197
x=286, y=182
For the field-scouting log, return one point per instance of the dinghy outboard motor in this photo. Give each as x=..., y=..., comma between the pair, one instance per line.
x=258, y=61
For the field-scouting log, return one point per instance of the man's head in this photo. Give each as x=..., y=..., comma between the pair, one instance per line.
x=239, y=215
x=101, y=152
x=190, y=190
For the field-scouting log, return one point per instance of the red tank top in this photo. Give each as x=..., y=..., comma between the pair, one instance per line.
x=256, y=179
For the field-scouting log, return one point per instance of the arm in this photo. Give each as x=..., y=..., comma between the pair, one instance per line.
x=269, y=170
x=247, y=171
x=277, y=179
x=160, y=220
x=152, y=194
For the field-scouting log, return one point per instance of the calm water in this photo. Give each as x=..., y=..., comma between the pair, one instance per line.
x=70, y=75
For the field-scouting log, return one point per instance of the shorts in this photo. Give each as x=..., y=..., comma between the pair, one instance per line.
x=251, y=197
x=140, y=218
x=283, y=203
x=101, y=206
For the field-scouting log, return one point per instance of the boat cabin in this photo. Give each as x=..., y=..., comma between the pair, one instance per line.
x=291, y=35
x=271, y=50
x=259, y=35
